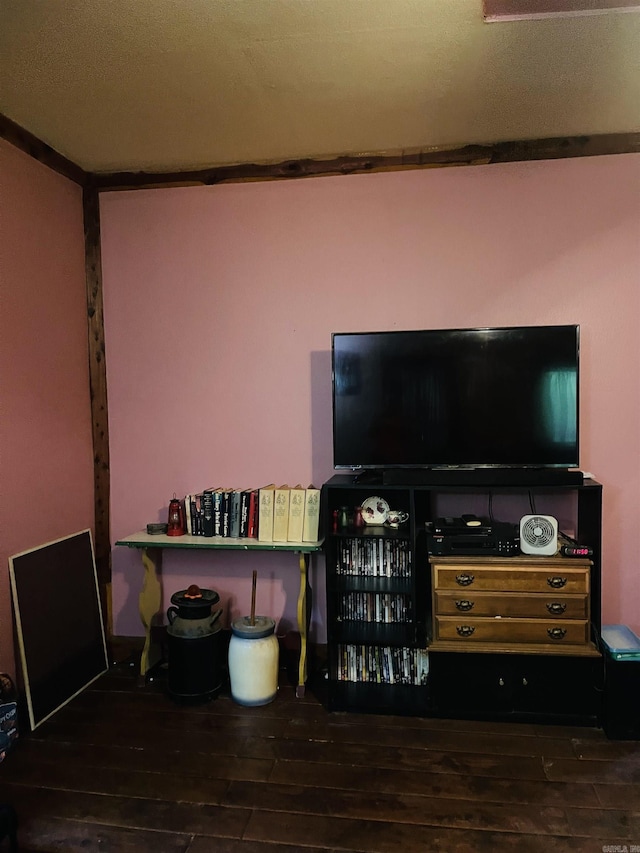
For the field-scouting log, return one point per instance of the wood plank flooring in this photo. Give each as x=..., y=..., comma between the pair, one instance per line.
x=123, y=768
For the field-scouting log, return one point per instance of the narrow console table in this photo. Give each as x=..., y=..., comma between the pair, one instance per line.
x=150, y=599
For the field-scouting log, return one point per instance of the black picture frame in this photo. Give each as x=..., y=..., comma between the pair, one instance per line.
x=59, y=623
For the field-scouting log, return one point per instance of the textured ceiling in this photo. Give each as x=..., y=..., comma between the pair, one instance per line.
x=168, y=85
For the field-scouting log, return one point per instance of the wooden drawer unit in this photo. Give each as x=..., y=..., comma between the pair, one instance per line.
x=516, y=604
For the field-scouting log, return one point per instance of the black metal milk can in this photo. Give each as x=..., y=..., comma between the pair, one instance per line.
x=194, y=645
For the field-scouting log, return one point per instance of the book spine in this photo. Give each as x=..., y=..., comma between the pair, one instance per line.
x=252, y=520
x=234, y=526
x=265, y=515
x=311, y=515
x=296, y=515
x=282, y=497
x=244, y=514
x=207, y=514
x=187, y=514
x=217, y=513
x=226, y=513
x=197, y=515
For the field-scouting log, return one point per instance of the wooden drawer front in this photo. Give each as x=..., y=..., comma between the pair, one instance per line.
x=509, y=579
x=512, y=604
x=468, y=631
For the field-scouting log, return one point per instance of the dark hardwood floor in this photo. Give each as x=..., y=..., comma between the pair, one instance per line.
x=123, y=768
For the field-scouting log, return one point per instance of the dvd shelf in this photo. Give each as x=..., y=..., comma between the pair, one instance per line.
x=382, y=664
x=376, y=609
x=374, y=557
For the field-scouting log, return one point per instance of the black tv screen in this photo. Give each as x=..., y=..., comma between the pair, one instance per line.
x=505, y=397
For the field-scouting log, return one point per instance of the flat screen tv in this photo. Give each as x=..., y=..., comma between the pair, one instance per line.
x=456, y=398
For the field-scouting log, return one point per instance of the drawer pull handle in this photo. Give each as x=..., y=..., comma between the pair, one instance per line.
x=556, y=633
x=556, y=607
x=556, y=582
x=464, y=604
x=465, y=630
x=464, y=580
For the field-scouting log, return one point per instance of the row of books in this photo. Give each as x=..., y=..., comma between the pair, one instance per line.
x=382, y=664
x=269, y=514
x=375, y=607
x=376, y=557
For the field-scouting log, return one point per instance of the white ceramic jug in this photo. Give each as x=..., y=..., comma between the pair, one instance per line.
x=253, y=661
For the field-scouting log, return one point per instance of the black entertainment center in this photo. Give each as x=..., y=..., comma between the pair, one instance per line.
x=429, y=419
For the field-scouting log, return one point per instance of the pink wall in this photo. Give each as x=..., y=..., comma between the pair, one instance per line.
x=220, y=303
x=46, y=458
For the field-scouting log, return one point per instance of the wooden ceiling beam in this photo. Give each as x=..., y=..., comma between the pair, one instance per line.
x=39, y=150
x=499, y=152
x=552, y=148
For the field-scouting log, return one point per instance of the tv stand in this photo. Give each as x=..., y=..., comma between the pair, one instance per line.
x=482, y=477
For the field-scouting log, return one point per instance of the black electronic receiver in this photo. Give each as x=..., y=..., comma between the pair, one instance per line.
x=498, y=540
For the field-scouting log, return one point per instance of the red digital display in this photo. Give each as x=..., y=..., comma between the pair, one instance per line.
x=576, y=551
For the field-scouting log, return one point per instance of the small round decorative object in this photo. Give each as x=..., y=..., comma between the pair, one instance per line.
x=396, y=517
x=375, y=510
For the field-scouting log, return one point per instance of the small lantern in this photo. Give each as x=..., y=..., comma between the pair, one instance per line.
x=176, y=525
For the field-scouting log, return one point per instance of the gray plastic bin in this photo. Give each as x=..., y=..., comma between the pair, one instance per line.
x=621, y=712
